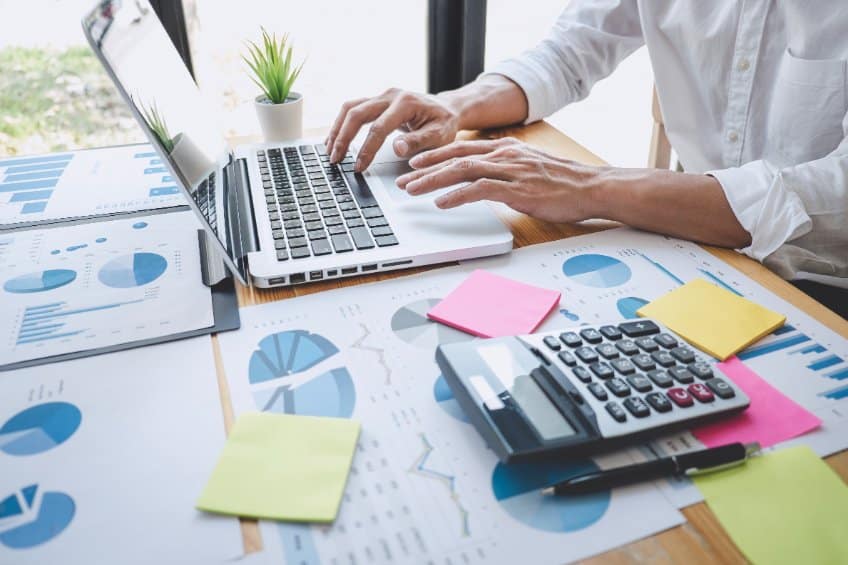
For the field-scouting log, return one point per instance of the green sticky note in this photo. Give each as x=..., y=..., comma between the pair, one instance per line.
x=787, y=506
x=282, y=467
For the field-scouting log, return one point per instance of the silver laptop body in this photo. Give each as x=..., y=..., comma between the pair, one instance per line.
x=277, y=214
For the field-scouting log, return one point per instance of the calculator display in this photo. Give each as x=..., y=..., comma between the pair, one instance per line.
x=511, y=366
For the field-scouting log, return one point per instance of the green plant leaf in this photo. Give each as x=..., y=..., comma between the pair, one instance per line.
x=270, y=65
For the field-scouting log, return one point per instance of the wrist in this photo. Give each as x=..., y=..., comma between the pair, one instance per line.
x=604, y=194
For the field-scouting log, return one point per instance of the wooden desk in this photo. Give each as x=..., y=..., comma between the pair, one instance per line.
x=702, y=539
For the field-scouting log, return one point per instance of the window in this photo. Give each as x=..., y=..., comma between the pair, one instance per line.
x=54, y=95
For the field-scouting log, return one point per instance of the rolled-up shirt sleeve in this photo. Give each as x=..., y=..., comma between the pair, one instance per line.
x=587, y=42
x=780, y=205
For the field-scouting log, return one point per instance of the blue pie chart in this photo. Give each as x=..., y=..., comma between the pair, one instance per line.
x=627, y=306
x=40, y=281
x=54, y=513
x=446, y=400
x=600, y=271
x=39, y=428
x=137, y=269
x=275, y=370
x=517, y=488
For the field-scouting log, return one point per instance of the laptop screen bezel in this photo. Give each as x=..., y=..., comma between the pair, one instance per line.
x=236, y=265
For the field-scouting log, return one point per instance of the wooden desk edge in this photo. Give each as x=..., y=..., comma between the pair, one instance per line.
x=702, y=539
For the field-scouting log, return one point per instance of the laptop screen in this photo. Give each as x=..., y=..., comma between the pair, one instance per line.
x=138, y=54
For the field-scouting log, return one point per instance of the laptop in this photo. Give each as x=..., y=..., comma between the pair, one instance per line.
x=278, y=214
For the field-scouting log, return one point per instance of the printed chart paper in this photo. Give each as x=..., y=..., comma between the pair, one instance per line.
x=46, y=188
x=102, y=459
x=81, y=287
x=423, y=486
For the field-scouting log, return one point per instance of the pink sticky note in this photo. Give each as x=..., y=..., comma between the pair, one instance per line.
x=487, y=305
x=770, y=419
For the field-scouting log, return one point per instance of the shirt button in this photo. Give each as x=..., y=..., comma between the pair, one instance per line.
x=733, y=137
x=743, y=64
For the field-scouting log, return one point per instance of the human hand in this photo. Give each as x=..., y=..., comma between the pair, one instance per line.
x=430, y=120
x=506, y=170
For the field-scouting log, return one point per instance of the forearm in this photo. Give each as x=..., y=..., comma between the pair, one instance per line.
x=488, y=102
x=683, y=205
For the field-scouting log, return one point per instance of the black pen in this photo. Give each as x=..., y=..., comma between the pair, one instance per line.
x=694, y=463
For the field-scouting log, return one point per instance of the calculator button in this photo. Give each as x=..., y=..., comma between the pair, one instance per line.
x=582, y=374
x=586, y=354
x=639, y=328
x=701, y=392
x=623, y=366
x=647, y=344
x=616, y=411
x=644, y=362
x=663, y=359
x=571, y=339
x=660, y=378
x=721, y=388
x=658, y=401
x=680, y=397
x=681, y=375
x=607, y=351
x=637, y=407
x=601, y=370
x=597, y=390
x=640, y=382
x=683, y=354
x=618, y=387
x=665, y=340
x=627, y=347
x=552, y=343
x=592, y=335
x=701, y=370
x=610, y=332
x=567, y=358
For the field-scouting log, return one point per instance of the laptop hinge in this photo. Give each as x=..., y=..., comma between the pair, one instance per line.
x=242, y=230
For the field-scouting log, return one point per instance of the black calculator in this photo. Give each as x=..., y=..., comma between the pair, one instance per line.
x=585, y=390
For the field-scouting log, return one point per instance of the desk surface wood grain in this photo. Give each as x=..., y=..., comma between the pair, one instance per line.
x=702, y=539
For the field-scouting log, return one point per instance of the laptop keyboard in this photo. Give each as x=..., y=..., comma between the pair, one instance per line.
x=205, y=199
x=317, y=208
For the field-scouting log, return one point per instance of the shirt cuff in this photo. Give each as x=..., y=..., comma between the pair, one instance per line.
x=528, y=76
x=767, y=209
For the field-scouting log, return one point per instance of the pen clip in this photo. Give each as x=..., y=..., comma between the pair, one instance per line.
x=750, y=449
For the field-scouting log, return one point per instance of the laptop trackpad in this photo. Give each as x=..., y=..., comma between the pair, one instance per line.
x=388, y=173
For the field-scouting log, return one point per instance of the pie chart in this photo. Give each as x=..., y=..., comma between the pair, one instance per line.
x=411, y=325
x=600, y=271
x=517, y=488
x=627, y=306
x=133, y=270
x=40, y=281
x=27, y=521
x=446, y=400
x=277, y=369
x=39, y=428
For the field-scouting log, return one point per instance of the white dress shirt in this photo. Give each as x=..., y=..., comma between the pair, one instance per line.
x=752, y=92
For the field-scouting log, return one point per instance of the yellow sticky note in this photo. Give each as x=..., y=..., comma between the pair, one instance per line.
x=711, y=318
x=784, y=507
x=282, y=467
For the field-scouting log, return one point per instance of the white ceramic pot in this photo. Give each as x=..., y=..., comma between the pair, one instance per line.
x=280, y=122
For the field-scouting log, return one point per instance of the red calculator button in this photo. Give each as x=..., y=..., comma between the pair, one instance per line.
x=701, y=392
x=680, y=397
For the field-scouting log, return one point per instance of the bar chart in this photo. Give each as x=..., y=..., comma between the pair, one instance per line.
x=85, y=183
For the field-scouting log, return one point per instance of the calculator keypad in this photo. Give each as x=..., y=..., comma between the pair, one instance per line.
x=637, y=369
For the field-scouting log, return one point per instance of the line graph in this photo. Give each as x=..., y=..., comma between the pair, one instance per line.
x=419, y=467
x=378, y=351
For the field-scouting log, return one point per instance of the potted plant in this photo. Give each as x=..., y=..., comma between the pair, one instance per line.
x=280, y=111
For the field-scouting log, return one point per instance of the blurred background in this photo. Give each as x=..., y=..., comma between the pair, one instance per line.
x=54, y=95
